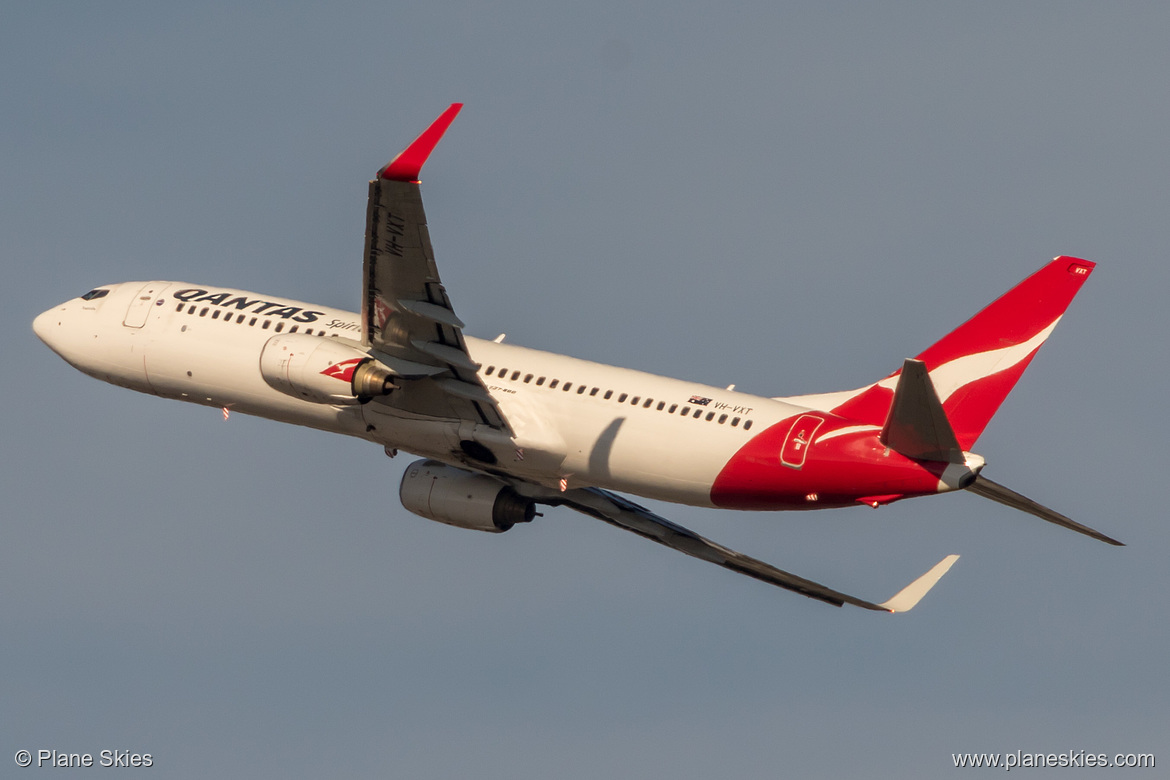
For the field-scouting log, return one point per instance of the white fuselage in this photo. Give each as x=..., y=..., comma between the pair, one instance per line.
x=586, y=423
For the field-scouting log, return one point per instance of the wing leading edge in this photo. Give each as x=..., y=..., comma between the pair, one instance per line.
x=407, y=318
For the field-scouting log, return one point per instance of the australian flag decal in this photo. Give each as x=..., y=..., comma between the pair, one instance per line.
x=699, y=400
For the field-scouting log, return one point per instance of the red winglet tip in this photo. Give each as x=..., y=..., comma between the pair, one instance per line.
x=409, y=162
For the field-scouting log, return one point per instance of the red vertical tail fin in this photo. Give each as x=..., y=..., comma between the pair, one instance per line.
x=975, y=366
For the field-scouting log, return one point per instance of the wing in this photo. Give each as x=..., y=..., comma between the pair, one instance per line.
x=623, y=513
x=407, y=318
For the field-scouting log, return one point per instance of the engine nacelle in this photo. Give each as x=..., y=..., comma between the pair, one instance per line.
x=456, y=497
x=322, y=370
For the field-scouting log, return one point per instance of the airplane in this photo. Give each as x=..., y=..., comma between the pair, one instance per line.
x=502, y=429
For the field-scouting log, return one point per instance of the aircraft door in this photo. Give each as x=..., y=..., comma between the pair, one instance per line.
x=799, y=439
x=139, y=307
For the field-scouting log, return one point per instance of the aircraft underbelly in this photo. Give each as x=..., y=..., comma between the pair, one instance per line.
x=424, y=436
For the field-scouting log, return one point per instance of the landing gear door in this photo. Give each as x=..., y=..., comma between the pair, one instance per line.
x=799, y=439
x=140, y=306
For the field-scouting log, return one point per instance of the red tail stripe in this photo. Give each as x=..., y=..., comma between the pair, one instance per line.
x=1016, y=316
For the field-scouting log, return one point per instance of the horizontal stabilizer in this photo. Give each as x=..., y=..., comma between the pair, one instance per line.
x=916, y=425
x=985, y=487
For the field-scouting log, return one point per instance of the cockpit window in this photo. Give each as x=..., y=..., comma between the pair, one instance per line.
x=92, y=294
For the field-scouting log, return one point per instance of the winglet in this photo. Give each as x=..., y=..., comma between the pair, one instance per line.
x=913, y=593
x=409, y=162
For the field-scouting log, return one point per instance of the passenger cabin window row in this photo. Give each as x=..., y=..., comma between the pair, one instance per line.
x=696, y=413
x=265, y=323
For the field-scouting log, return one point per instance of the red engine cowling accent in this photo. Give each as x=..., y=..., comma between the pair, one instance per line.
x=324, y=371
x=461, y=498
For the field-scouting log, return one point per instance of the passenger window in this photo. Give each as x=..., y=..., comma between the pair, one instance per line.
x=490, y=370
x=622, y=398
x=567, y=386
x=503, y=373
x=266, y=324
x=672, y=408
x=540, y=381
x=252, y=322
x=204, y=312
x=685, y=411
x=734, y=422
x=594, y=391
x=580, y=389
x=661, y=405
x=608, y=394
x=634, y=400
x=747, y=424
x=293, y=329
x=698, y=413
x=649, y=401
x=178, y=308
x=240, y=318
x=515, y=375
x=215, y=314
x=279, y=327
x=553, y=383
x=527, y=378
x=722, y=419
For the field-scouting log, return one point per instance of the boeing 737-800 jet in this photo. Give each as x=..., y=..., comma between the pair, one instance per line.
x=502, y=429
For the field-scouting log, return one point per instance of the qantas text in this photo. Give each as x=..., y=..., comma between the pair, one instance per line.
x=251, y=305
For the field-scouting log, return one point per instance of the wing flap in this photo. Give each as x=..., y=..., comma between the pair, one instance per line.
x=471, y=392
x=452, y=356
x=408, y=369
x=432, y=312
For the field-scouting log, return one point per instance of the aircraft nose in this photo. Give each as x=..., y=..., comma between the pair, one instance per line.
x=47, y=325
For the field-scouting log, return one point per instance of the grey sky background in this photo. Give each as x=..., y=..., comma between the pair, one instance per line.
x=792, y=198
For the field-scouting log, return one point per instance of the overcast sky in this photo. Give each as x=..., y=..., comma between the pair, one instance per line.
x=792, y=198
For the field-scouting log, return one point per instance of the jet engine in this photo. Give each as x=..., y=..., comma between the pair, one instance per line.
x=322, y=370
x=461, y=498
